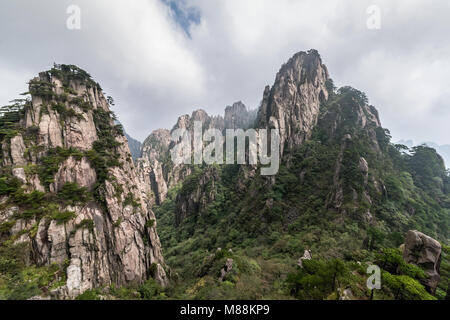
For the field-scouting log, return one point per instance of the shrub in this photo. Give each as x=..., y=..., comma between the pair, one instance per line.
x=63, y=217
x=9, y=185
x=150, y=290
x=392, y=261
x=65, y=112
x=92, y=294
x=43, y=89
x=49, y=164
x=130, y=201
x=406, y=288
x=73, y=194
x=86, y=224
x=317, y=279
x=5, y=227
x=150, y=223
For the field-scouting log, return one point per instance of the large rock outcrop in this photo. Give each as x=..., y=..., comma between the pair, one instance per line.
x=68, y=139
x=292, y=104
x=424, y=252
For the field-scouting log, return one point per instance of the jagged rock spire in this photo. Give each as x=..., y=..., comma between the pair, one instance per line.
x=292, y=104
x=68, y=139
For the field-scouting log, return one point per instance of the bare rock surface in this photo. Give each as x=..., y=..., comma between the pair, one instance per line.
x=424, y=252
x=109, y=240
x=292, y=104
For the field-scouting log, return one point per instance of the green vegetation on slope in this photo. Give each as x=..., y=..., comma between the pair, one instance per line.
x=272, y=224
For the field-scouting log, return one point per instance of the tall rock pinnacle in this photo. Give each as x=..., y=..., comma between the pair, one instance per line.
x=75, y=200
x=292, y=104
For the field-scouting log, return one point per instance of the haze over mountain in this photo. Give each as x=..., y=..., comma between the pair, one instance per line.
x=169, y=57
x=80, y=219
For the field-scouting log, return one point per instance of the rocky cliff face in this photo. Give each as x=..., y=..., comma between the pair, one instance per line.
x=342, y=189
x=297, y=106
x=152, y=167
x=332, y=142
x=156, y=170
x=292, y=104
x=76, y=200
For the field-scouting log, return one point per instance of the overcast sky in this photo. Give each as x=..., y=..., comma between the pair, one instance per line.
x=160, y=58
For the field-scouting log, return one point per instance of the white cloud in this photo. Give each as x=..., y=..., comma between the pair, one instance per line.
x=12, y=83
x=140, y=41
x=402, y=67
x=156, y=73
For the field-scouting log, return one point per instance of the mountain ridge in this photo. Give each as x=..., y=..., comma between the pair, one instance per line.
x=80, y=215
x=70, y=196
x=343, y=190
